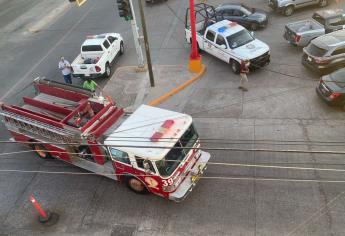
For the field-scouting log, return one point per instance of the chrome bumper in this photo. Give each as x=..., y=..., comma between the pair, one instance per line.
x=191, y=179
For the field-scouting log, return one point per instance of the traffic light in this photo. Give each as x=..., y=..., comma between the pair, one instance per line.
x=79, y=2
x=125, y=11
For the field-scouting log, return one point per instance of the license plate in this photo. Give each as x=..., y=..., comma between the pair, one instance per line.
x=87, y=75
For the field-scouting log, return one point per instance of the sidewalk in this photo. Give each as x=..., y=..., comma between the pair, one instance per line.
x=130, y=88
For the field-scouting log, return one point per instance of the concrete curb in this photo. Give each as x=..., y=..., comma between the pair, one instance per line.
x=49, y=18
x=178, y=89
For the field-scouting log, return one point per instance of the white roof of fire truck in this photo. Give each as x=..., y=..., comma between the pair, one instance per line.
x=150, y=132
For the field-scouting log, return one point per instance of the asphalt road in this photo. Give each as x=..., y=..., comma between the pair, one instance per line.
x=281, y=107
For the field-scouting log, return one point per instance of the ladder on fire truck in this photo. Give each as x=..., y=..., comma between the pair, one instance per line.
x=37, y=128
x=54, y=134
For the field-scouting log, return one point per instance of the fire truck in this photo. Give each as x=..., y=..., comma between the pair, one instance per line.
x=151, y=150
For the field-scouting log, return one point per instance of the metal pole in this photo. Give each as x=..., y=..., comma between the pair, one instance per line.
x=136, y=38
x=146, y=42
x=195, y=53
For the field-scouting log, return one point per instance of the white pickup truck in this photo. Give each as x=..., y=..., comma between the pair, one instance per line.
x=97, y=54
x=231, y=43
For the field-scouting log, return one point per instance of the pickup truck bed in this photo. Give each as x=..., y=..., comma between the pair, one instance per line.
x=300, y=33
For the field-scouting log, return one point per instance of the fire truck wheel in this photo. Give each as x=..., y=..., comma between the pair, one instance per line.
x=41, y=151
x=136, y=185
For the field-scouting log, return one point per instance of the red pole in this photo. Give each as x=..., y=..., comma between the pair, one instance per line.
x=38, y=207
x=195, y=53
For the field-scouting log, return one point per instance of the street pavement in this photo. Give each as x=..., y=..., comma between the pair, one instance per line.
x=281, y=111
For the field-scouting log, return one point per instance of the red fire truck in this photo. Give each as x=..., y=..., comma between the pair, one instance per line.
x=151, y=150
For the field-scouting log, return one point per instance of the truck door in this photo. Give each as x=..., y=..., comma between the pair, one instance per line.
x=114, y=46
x=122, y=161
x=221, y=48
x=108, y=51
x=209, y=44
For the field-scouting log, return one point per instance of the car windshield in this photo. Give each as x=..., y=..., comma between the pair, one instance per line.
x=338, y=77
x=319, y=19
x=239, y=39
x=172, y=160
x=316, y=51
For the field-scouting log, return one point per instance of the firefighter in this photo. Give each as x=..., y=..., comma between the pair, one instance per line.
x=90, y=85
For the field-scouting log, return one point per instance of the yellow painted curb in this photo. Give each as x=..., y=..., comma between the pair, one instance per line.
x=178, y=89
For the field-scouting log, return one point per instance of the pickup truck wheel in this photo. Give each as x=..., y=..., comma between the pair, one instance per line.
x=122, y=48
x=235, y=66
x=197, y=45
x=136, y=185
x=107, y=70
x=289, y=10
x=41, y=151
x=254, y=26
x=323, y=3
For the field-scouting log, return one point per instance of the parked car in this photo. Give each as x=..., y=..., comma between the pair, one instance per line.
x=300, y=33
x=325, y=53
x=97, y=54
x=331, y=88
x=287, y=7
x=251, y=18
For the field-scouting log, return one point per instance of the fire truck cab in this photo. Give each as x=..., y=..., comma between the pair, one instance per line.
x=152, y=150
x=162, y=147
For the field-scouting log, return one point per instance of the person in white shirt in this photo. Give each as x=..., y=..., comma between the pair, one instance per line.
x=66, y=70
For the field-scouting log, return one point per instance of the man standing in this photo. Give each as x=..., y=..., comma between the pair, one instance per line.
x=244, y=70
x=66, y=70
x=90, y=85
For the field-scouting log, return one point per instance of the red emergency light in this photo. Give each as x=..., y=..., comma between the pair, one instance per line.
x=164, y=128
x=232, y=24
x=167, y=124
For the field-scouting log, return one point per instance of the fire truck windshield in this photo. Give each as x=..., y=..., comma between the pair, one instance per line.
x=168, y=165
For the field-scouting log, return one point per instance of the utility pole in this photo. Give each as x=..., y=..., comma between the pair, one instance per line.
x=146, y=42
x=195, y=63
x=135, y=31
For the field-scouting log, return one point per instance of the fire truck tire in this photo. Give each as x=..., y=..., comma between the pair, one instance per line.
x=136, y=185
x=41, y=151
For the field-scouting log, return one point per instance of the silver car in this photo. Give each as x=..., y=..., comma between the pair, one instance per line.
x=287, y=7
x=325, y=53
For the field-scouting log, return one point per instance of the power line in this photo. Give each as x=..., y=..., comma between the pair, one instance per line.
x=182, y=148
x=201, y=177
x=209, y=141
x=220, y=163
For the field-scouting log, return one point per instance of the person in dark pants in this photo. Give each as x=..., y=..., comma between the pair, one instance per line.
x=66, y=70
x=244, y=70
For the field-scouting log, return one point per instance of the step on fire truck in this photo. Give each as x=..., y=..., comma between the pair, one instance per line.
x=152, y=150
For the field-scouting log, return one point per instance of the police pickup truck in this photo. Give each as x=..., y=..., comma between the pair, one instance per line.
x=231, y=43
x=97, y=54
